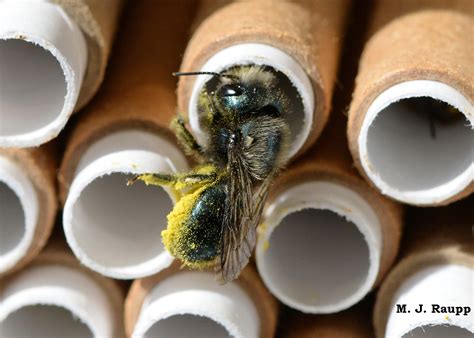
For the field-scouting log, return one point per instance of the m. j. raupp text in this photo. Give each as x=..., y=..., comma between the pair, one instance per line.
x=434, y=308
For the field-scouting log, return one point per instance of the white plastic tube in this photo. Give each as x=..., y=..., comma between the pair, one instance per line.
x=43, y=58
x=18, y=213
x=54, y=301
x=192, y=304
x=440, y=285
x=403, y=159
x=113, y=228
x=292, y=76
x=319, y=247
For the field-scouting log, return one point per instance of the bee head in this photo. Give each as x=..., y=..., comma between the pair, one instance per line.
x=239, y=91
x=237, y=98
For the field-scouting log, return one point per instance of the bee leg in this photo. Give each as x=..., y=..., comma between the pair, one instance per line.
x=180, y=181
x=155, y=179
x=185, y=138
x=189, y=180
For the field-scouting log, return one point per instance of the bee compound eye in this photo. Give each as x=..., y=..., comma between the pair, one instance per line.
x=231, y=90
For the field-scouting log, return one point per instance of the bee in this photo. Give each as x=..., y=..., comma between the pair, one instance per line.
x=213, y=224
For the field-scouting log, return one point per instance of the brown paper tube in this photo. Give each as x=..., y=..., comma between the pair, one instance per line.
x=300, y=40
x=327, y=238
x=436, y=268
x=57, y=297
x=410, y=121
x=352, y=323
x=28, y=203
x=98, y=19
x=183, y=303
x=53, y=56
x=125, y=131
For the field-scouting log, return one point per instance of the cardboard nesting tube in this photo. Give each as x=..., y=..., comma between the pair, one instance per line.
x=327, y=238
x=180, y=302
x=298, y=39
x=53, y=60
x=29, y=203
x=56, y=296
x=411, y=67
x=98, y=19
x=125, y=131
x=436, y=267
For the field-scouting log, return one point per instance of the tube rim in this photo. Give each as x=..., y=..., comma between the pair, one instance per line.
x=351, y=206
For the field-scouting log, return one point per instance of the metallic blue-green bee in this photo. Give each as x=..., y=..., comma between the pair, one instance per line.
x=214, y=222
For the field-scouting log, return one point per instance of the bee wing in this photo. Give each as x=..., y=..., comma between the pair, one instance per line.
x=243, y=211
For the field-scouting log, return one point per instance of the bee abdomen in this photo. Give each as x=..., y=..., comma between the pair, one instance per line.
x=194, y=226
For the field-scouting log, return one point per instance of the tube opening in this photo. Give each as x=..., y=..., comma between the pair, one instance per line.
x=43, y=57
x=294, y=116
x=438, y=331
x=43, y=321
x=19, y=210
x=416, y=142
x=192, y=304
x=32, y=87
x=419, y=144
x=187, y=326
x=103, y=217
x=12, y=222
x=292, y=79
x=307, y=269
x=111, y=218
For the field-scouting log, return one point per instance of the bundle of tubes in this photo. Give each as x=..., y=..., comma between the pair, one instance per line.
x=371, y=210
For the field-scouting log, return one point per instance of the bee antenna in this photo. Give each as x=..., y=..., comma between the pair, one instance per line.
x=204, y=73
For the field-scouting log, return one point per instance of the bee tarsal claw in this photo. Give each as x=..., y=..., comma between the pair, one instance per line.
x=133, y=180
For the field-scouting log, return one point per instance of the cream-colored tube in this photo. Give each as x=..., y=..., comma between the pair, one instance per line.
x=103, y=218
x=53, y=58
x=44, y=59
x=42, y=296
x=412, y=115
x=55, y=297
x=191, y=303
x=177, y=306
x=320, y=247
x=28, y=204
x=287, y=69
x=443, y=314
x=327, y=238
x=429, y=291
x=20, y=213
x=299, y=41
x=113, y=228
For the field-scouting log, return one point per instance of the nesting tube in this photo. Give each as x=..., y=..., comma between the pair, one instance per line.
x=28, y=204
x=183, y=303
x=436, y=270
x=113, y=228
x=327, y=238
x=56, y=297
x=52, y=56
x=298, y=40
x=412, y=115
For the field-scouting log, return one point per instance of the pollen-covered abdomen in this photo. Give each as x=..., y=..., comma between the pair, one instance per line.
x=194, y=226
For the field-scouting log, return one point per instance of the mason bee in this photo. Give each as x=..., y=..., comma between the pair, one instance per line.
x=214, y=222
